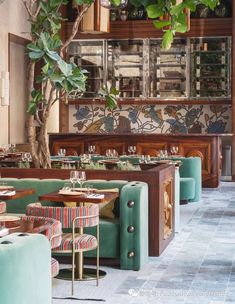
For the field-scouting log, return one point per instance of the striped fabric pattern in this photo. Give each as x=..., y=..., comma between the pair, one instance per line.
x=66, y=214
x=81, y=241
x=3, y=207
x=47, y=226
x=55, y=268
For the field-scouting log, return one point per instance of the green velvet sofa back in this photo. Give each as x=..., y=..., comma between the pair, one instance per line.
x=115, y=240
x=25, y=269
x=192, y=167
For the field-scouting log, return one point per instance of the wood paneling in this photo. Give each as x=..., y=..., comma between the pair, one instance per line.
x=151, y=148
x=155, y=178
x=145, y=29
x=207, y=147
x=139, y=101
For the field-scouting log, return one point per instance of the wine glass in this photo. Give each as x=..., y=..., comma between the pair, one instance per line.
x=28, y=157
x=91, y=149
x=108, y=153
x=81, y=177
x=131, y=149
x=74, y=177
x=24, y=157
x=134, y=149
x=61, y=152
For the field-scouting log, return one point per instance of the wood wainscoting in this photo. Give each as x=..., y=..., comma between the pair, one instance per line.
x=205, y=146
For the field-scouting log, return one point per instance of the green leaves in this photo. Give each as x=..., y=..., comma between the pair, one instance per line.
x=110, y=96
x=211, y=3
x=167, y=39
x=154, y=11
x=33, y=103
x=161, y=24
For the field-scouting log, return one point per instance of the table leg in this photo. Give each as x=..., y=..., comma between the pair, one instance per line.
x=79, y=262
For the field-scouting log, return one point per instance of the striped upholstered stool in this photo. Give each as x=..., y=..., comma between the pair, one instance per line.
x=2, y=207
x=55, y=267
x=73, y=217
x=50, y=227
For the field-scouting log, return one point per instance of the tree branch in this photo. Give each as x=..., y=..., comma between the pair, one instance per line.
x=75, y=28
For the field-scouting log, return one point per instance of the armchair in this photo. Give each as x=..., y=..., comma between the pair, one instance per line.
x=74, y=217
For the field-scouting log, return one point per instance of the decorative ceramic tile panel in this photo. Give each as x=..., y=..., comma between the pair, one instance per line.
x=150, y=119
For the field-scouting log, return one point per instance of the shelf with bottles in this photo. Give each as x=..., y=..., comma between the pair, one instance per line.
x=90, y=56
x=210, y=67
x=125, y=67
x=168, y=69
x=194, y=68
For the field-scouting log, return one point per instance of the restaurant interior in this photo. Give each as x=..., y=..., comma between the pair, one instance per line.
x=117, y=151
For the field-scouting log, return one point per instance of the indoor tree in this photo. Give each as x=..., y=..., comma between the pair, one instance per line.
x=57, y=78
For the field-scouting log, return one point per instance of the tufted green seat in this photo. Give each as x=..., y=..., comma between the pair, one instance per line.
x=191, y=169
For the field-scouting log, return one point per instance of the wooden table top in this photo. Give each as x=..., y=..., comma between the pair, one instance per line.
x=57, y=197
x=19, y=194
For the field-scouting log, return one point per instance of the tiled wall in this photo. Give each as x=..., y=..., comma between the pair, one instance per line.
x=150, y=119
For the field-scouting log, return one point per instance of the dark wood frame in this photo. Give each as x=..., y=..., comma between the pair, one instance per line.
x=154, y=177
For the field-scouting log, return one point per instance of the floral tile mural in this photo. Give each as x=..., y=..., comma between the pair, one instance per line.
x=150, y=119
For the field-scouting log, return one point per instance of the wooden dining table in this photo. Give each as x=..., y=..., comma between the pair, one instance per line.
x=81, y=273
x=19, y=193
x=57, y=197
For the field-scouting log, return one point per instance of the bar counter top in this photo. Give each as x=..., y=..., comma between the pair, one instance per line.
x=146, y=134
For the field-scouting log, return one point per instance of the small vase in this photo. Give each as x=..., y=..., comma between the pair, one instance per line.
x=123, y=15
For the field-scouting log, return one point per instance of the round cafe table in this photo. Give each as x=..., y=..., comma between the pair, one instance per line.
x=11, y=222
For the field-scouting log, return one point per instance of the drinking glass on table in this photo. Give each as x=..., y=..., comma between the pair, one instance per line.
x=91, y=149
x=61, y=152
x=24, y=157
x=74, y=177
x=81, y=177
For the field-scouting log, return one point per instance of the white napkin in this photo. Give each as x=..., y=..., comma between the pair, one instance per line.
x=95, y=195
x=7, y=193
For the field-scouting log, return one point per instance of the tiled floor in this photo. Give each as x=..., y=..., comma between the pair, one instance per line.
x=197, y=268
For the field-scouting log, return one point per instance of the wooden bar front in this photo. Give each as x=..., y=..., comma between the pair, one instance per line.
x=205, y=146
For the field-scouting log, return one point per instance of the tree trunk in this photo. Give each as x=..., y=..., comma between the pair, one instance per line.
x=31, y=122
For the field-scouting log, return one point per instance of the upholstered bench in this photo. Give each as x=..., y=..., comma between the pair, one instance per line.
x=124, y=237
x=25, y=269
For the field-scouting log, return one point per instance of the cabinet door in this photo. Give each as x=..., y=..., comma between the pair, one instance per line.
x=72, y=148
x=151, y=149
x=102, y=147
x=210, y=67
x=89, y=55
x=125, y=67
x=202, y=150
x=168, y=69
